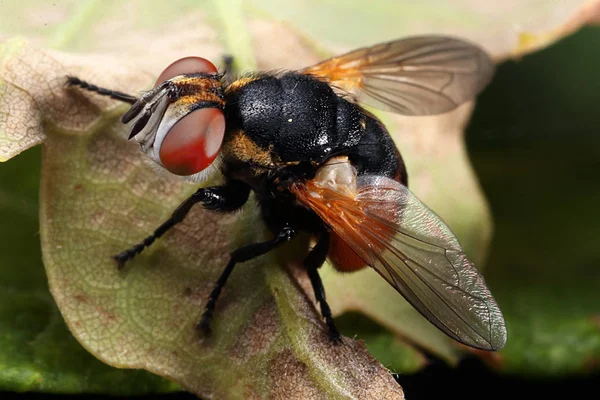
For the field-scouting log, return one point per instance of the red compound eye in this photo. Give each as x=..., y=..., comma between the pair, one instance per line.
x=193, y=143
x=186, y=65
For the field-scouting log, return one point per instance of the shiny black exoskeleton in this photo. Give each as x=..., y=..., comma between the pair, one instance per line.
x=300, y=119
x=281, y=129
x=297, y=123
x=298, y=140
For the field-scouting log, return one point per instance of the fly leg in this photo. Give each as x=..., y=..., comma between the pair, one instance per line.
x=242, y=254
x=228, y=197
x=313, y=261
x=228, y=69
x=113, y=94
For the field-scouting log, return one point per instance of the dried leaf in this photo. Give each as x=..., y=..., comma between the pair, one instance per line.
x=99, y=196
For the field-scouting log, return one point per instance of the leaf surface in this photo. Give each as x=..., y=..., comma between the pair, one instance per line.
x=99, y=196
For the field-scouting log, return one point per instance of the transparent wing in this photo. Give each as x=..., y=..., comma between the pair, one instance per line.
x=420, y=75
x=411, y=248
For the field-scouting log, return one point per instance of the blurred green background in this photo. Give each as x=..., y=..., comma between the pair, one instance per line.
x=534, y=142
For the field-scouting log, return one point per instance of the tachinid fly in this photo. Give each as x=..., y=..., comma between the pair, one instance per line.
x=320, y=163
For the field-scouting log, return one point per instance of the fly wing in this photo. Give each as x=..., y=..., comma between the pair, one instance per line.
x=412, y=249
x=421, y=75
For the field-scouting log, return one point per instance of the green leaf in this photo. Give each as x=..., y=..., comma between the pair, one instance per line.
x=38, y=352
x=440, y=173
x=98, y=196
x=395, y=354
x=534, y=141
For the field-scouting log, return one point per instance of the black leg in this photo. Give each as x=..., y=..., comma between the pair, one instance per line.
x=113, y=94
x=313, y=261
x=228, y=71
x=242, y=254
x=229, y=197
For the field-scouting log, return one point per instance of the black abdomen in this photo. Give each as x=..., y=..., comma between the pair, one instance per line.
x=299, y=118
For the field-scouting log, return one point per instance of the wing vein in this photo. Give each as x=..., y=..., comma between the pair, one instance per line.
x=426, y=283
x=407, y=70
